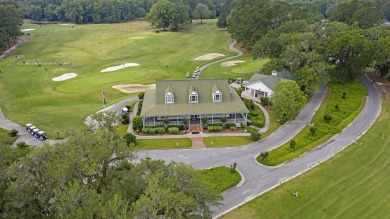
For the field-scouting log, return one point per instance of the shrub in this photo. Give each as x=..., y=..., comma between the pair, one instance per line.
x=255, y=136
x=139, y=107
x=233, y=128
x=264, y=101
x=292, y=143
x=253, y=113
x=137, y=123
x=173, y=130
x=214, y=128
x=180, y=127
x=160, y=130
x=228, y=125
x=130, y=139
x=312, y=130
x=13, y=133
x=125, y=119
x=242, y=125
x=128, y=108
x=327, y=118
x=344, y=94
x=21, y=144
x=141, y=95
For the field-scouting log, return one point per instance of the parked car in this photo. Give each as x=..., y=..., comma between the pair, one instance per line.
x=28, y=125
x=29, y=129
x=41, y=135
x=35, y=131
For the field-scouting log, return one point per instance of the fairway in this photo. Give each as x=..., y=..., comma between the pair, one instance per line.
x=29, y=95
x=352, y=184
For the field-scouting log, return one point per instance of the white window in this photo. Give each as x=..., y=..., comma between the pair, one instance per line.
x=193, y=97
x=169, y=98
x=217, y=96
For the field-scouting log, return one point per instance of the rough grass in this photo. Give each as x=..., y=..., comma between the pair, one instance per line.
x=165, y=143
x=220, y=178
x=352, y=184
x=28, y=94
x=227, y=141
x=6, y=138
x=349, y=108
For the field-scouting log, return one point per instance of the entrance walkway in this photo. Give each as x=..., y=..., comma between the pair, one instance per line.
x=198, y=142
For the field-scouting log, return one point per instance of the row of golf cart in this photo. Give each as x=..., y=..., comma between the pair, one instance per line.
x=195, y=74
x=36, y=132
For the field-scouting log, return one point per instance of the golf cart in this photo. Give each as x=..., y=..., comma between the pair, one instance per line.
x=29, y=129
x=239, y=81
x=187, y=75
x=41, y=135
x=35, y=131
x=28, y=125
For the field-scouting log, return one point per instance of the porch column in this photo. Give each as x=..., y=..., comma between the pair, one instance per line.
x=212, y=118
x=154, y=121
x=235, y=117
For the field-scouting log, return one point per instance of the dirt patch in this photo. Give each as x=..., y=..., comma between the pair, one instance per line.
x=65, y=77
x=230, y=63
x=208, y=57
x=118, y=67
x=134, y=88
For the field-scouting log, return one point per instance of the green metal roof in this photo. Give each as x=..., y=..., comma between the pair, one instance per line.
x=154, y=100
x=269, y=80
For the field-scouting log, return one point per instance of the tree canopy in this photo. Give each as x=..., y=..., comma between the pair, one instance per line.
x=90, y=176
x=10, y=23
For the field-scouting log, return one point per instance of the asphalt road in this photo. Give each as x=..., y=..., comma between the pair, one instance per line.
x=259, y=179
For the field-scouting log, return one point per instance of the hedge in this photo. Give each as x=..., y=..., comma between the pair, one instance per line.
x=214, y=128
x=228, y=125
x=173, y=130
x=153, y=130
x=180, y=127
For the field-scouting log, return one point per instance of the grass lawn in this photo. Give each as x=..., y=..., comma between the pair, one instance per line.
x=228, y=141
x=164, y=143
x=347, y=110
x=352, y=184
x=273, y=122
x=122, y=129
x=220, y=178
x=6, y=138
x=241, y=70
x=28, y=94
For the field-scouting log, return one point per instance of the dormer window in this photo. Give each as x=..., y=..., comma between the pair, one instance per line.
x=193, y=97
x=169, y=98
x=217, y=96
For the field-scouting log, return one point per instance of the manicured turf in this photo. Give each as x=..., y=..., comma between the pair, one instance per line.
x=273, y=124
x=164, y=143
x=241, y=70
x=28, y=94
x=348, y=109
x=228, y=141
x=221, y=178
x=352, y=184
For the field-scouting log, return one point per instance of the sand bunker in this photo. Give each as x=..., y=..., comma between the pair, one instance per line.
x=230, y=63
x=134, y=88
x=26, y=30
x=67, y=24
x=137, y=38
x=209, y=56
x=118, y=67
x=65, y=77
